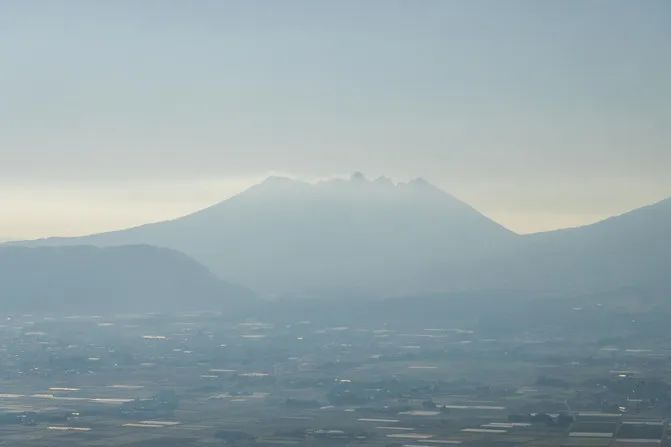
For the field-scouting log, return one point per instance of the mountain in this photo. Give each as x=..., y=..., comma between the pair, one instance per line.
x=121, y=279
x=339, y=236
x=361, y=238
x=630, y=250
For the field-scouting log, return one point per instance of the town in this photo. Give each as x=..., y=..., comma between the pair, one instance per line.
x=210, y=379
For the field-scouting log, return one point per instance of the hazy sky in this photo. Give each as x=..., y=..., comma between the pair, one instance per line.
x=541, y=114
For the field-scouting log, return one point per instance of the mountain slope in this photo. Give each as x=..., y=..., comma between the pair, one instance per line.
x=633, y=249
x=117, y=279
x=286, y=236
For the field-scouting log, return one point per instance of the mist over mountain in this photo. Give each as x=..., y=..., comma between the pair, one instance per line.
x=286, y=236
x=358, y=237
x=125, y=279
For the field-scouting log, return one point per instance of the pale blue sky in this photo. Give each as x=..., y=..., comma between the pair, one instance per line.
x=539, y=113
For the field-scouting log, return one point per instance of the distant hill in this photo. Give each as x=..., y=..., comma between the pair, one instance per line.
x=630, y=250
x=362, y=238
x=118, y=279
